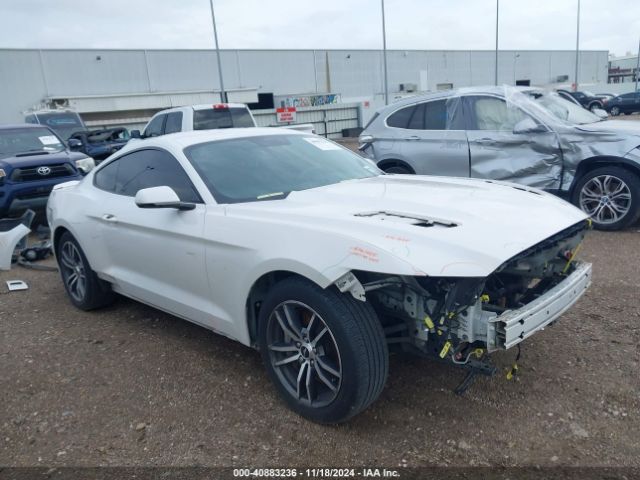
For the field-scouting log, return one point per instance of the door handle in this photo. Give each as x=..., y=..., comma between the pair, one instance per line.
x=413, y=137
x=107, y=217
x=485, y=141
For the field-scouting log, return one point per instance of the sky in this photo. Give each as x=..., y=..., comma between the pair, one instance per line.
x=612, y=25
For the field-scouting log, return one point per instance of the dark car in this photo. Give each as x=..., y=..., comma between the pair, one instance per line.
x=623, y=104
x=99, y=144
x=32, y=160
x=588, y=100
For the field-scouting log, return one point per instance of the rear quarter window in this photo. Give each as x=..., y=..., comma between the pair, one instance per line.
x=214, y=118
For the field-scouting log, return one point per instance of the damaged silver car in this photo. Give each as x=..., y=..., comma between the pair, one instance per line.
x=524, y=136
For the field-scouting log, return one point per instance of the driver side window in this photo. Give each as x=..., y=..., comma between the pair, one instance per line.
x=145, y=169
x=495, y=114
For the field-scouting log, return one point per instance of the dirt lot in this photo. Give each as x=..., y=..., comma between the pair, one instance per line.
x=130, y=385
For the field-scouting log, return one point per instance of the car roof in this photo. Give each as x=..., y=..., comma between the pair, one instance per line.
x=185, y=139
x=489, y=89
x=201, y=106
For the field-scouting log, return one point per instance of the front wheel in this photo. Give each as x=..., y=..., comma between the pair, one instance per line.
x=615, y=111
x=325, y=351
x=85, y=290
x=610, y=196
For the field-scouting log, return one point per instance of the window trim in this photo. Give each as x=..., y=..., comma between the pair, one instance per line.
x=104, y=165
x=412, y=105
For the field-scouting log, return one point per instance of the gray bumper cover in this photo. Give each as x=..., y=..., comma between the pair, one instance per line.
x=514, y=326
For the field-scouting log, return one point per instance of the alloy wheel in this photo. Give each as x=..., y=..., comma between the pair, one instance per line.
x=73, y=271
x=606, y=198
x=304, y=354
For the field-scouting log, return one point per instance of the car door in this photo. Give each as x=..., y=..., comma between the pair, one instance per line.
x=156, y=255
x=506, y=143
x=628, y=102
x=431, y=138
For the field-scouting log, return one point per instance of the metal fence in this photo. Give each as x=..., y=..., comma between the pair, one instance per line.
x=327, y=120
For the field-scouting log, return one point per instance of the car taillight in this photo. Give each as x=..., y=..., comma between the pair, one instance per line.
x=220, y=106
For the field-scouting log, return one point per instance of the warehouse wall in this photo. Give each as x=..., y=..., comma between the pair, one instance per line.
x=29, y=76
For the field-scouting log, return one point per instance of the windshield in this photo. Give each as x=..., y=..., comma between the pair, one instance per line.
x=564, y=109
x=23, y=140
x=210, y=119
x=63, y=123
x=272, y=166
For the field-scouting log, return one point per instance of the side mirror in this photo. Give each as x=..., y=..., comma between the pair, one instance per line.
x=74, y=143
x=161, y=197
x=135, y=134
x=527, y=125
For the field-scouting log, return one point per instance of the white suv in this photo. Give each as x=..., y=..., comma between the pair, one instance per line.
x=199, y=117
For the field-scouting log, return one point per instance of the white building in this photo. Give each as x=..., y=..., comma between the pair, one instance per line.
x=125, y=87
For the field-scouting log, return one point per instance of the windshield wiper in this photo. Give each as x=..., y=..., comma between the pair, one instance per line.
x=269, y=195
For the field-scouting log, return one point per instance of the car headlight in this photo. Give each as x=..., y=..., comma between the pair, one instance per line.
x=2, y=175
x=85, y=164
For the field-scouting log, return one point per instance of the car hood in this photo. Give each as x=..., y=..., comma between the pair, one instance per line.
x=40, y=159
x=631, y=127
x=440, y=226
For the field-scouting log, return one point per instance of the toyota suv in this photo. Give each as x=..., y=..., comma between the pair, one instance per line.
x=32, y=160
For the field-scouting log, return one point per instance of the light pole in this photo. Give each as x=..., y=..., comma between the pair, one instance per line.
x=384, y=58
x=223, y=93
x=575, y=88
x=497, y=12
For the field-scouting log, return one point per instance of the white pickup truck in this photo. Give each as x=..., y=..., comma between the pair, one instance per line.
x=204, y=117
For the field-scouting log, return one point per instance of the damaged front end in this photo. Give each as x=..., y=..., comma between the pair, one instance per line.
x=458, y=319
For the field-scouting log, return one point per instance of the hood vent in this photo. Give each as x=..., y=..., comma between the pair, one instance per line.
x=408, y=219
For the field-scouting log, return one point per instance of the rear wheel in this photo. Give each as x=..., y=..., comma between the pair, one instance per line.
x=325, y=351
x=611, y=197
x=85, y=290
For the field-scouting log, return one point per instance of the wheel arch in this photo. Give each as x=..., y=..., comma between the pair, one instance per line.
x=258, y=292
x=57, y=233
x=597, y=103
x=395, y=162
x=592, y=163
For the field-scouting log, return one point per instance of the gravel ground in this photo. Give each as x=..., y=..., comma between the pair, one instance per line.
x=129, y=385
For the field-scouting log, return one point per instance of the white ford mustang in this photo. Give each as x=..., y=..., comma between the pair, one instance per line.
x=289, y=243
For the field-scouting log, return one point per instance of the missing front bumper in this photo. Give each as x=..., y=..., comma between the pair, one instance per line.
x=512, y=327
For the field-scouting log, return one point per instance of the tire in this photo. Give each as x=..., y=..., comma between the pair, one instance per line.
x=594, y=105
x=396, y=169
x=610, y=195
x=72, y=261
x=353, y=346
x=615, y=111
